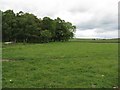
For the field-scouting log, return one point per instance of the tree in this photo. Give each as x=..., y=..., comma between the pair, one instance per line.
x=46, y=36
x=29, y=27
x=26, y=27
x=8, y=25
x=64, y=30
x=49, y=24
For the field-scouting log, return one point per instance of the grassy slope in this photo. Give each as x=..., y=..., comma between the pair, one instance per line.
x=68, y=64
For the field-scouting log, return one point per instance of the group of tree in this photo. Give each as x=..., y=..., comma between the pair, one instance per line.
x=26, y=27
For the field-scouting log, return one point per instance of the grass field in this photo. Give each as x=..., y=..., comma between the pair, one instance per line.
x=60, y=65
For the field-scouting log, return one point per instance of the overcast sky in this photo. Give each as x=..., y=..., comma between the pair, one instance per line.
x=93, y=18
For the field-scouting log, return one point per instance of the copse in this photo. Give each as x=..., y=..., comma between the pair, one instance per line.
x=26, y=27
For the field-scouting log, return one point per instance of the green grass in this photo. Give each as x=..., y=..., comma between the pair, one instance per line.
x=60, y=65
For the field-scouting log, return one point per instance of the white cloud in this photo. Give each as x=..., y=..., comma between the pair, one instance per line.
x=88, y=15
x=93, y=33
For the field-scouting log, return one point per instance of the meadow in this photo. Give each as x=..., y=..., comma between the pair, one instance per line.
x=72, y=64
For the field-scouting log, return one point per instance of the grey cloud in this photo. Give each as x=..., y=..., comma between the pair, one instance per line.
x=94, y=15
x=107, y=23
x=79, y=9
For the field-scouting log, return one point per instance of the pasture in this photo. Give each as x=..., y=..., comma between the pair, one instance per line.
x=71, y=64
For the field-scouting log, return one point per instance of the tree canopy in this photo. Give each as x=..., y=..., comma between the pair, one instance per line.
x=26, y=27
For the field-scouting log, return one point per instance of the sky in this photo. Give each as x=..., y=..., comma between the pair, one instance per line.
x=93, y=18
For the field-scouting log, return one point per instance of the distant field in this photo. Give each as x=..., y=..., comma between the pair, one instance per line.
x=61, y=65
x=97, y=40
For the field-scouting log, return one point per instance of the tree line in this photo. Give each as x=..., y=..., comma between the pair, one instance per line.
x=26, y=27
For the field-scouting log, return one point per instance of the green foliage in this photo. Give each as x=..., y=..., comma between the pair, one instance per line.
x=25, y=27
x=46, y=36
x=60, y=65
x=8, y=24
